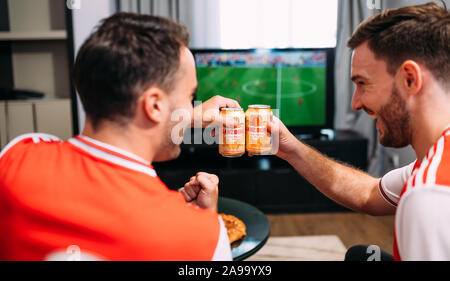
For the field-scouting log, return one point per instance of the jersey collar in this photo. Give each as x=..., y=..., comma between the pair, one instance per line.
x=112, y=154
x=447, y=130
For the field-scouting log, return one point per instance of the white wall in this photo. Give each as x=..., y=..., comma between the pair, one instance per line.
x=84, y=20
x=202, y=17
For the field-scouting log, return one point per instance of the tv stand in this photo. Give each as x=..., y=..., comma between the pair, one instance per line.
x=266, y=182
x=325, y=134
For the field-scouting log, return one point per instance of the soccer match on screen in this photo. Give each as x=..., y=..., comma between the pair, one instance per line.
x=294, y=82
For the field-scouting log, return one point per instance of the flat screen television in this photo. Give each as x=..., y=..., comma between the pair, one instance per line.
x=298, y=84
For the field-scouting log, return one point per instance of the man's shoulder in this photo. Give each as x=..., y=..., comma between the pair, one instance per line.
x=22, y=159
x=438, y=169
x=434, y=170
x=25, y=141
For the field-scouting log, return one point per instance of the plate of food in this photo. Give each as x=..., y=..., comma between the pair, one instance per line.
x=247, y=227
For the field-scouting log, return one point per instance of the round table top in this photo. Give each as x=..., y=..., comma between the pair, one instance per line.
x=258, y=227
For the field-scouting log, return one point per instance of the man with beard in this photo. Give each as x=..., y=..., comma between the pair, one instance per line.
x=97, y=195
x=401, y=68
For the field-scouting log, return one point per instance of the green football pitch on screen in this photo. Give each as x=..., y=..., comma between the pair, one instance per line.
x=297, y=92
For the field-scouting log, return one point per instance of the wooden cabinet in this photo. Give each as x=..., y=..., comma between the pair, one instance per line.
x=34, y=55
x=51, y=116
x=34, y=47
x=54, y=117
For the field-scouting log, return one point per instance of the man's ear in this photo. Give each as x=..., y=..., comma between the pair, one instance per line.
x=154, y=104
x=411, y=76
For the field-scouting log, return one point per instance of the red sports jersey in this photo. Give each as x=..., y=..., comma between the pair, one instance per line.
x=107, y=202
x=422, y=192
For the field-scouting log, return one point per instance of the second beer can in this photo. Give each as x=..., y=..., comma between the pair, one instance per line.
x=258, y=139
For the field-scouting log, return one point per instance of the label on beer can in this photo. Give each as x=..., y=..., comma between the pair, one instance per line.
x=232, y=137
x=258, y=140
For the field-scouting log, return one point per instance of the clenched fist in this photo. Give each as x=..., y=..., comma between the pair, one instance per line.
x=202, y=190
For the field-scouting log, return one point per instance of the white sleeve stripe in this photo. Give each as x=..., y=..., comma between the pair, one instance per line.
x=223, y=249
x=37, y=137
x=393, y=182
x=385, y=196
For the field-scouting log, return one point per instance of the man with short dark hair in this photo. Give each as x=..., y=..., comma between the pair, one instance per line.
x=401, y=68
x=98, y=192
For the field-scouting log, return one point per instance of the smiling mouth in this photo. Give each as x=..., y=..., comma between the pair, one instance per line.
x=371, y=113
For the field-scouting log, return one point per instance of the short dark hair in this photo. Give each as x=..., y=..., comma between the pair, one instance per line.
x=126, y=54
x=420, y=33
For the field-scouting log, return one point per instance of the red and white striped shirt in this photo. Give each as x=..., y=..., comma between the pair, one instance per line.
x=108, y=203
x=421, y=193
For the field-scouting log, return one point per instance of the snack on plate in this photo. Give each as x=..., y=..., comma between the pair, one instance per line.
x=236, y=228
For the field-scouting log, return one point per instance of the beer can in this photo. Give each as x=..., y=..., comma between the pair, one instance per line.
x=258, y=139
x=232, y=134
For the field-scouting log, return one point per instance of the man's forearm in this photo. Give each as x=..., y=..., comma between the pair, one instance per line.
x=348, y=186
